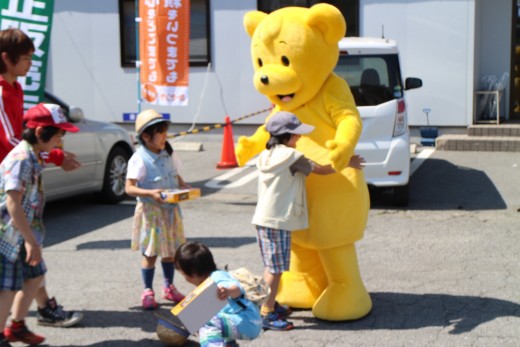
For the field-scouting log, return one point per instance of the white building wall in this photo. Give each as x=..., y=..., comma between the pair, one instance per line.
x=449, y=44
x=435, y=43
x=85, y=70
x=84, y=62
x=233, y=66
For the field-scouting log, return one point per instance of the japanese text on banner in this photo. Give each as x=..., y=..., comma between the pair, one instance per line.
x=164, y=51
x=34, y=17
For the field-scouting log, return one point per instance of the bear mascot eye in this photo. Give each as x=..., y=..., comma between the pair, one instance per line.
x=260, y=63
x=285, y=60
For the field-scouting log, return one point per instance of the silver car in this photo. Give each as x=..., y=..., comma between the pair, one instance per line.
x=102, y=148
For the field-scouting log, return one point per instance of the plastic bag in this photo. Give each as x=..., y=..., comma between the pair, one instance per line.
x=487, y=103
x=256, y=290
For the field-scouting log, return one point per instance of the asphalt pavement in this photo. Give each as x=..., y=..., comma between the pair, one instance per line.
x=442, y=272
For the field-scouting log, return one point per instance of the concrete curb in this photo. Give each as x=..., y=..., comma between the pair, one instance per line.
x=187, y=146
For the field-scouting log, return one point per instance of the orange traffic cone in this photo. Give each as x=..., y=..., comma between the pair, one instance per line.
x=228, y=159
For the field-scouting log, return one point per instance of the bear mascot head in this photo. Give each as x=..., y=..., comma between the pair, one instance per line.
x=282, y=73
x=294, y=51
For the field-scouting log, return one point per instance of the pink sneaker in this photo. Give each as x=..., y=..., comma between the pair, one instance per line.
x=172, y=294
x=148, y=300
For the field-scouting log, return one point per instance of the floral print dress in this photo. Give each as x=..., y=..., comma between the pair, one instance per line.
x=158, y=229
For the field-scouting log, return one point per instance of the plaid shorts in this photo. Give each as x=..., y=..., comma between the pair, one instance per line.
x=275, y=247
x=12, y=275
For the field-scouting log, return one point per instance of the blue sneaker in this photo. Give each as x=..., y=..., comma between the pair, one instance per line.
x=283, y=311
x=272, y=321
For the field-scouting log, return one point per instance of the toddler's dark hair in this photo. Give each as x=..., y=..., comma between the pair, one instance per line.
x=194, y=259
x=29, y=134
x=15, y=43
x=153, y=129
x=281, y=139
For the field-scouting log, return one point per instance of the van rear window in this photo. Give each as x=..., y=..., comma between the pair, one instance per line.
x=373, y=79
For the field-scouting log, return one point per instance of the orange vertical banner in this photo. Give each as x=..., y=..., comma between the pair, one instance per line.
x=164, y=34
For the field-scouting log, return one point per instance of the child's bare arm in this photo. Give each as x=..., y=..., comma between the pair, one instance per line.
x=356, y=162
x=15, y=209
x=323, y=169
x=132, y=189
x=232, y=292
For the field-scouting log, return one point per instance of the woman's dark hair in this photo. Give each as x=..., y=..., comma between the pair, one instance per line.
x=153, y=129
x=29, y=134
x=194, y=259
x=278, y=140
x=15, y=43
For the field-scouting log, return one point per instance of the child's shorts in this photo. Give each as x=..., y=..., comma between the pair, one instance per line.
x=275, y=247
x=12, y=275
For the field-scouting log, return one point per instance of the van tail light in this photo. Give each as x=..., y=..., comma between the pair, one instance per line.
x=400, y=119
x=401, y=107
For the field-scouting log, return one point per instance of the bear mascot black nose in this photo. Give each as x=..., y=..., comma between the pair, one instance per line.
x=264, y=79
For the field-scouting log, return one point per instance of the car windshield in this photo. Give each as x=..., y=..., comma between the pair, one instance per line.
x=373, y=79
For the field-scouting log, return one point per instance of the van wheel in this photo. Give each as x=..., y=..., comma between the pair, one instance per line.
x=115, y=176
x=402, y=195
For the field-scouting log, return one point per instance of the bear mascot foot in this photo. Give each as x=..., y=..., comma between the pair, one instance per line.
x=299, y=290
x=346, y=297
x=342, y=302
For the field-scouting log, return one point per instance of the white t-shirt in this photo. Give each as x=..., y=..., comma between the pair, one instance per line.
x=137, y=170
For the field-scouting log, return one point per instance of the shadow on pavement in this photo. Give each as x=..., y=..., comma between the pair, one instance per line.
x=68, y=218
x=402, y=311
x=212, y=242
x=228, y=242
x=135, y=317
x=105, y=244
x=124, y=343
x=440, y=185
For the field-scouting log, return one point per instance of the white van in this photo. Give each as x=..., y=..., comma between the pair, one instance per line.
x=371, y=68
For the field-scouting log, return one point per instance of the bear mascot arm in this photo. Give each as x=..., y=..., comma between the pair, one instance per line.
x=342, y=109
x=248, y=147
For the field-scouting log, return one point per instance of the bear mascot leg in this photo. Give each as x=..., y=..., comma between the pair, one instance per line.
x=306, y=275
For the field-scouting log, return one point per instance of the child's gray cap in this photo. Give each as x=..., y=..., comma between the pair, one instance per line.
x=285, y=122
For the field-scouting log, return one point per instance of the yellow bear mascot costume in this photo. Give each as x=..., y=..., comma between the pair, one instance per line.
x=294, y=51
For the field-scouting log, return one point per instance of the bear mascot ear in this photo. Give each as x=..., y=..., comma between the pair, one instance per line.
x=252, y=19
x=329, y=20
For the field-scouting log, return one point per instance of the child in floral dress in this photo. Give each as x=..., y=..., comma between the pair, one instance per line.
x=158, y=228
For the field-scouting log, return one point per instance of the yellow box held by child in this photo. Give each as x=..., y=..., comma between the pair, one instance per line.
x=173, y=196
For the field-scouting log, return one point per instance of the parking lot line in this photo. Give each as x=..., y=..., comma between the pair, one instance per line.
x=223, y=181
x=424, y=154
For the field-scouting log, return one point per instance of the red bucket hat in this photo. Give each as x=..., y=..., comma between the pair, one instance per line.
x=43, y=115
